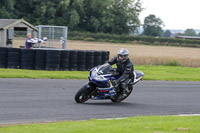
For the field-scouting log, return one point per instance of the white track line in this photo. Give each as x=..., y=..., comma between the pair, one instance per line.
x=120, y=118
x=188, y=115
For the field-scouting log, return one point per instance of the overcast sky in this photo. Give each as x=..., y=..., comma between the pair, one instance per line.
x=176, y=14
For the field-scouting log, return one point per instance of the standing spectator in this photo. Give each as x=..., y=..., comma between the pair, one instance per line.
x=29, y=42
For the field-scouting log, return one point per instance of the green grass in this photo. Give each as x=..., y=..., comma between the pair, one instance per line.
x=172, y=73
x=37, y=74
x=139, y=124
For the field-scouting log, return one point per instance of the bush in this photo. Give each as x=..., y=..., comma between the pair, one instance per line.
x=89, y=39
x=172, y=63
x=74, y=35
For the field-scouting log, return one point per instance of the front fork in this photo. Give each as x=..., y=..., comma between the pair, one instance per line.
x=92, y=89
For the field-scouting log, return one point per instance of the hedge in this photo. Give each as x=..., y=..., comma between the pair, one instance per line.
x=86, y=36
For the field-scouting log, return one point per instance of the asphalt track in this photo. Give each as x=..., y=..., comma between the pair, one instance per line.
x=41, y=100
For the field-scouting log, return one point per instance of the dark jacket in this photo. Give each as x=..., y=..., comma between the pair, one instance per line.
x=28, y=43
x=125, y=69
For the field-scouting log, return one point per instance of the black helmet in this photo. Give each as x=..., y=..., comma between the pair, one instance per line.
x=122, y=55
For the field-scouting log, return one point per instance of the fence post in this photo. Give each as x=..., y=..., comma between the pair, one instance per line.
x=39, y=35
x=65, y=37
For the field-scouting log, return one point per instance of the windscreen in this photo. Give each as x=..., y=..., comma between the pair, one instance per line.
x=104, y=69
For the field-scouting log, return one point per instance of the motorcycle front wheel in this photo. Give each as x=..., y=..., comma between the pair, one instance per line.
x=82, y=95
x=117, y=99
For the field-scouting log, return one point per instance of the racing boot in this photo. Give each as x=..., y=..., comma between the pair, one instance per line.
x=123, y=91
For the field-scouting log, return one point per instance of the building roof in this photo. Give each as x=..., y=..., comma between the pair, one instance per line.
x=7, y=23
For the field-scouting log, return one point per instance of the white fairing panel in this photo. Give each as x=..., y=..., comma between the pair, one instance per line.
x=138, y=75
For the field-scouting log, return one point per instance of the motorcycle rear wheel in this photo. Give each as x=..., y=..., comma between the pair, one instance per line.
x=117, y=100
x=82, y=95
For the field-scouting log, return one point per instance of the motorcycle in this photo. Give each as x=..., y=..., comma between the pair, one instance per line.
x=100, y=85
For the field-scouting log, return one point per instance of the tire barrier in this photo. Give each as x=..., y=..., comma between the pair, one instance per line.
x=89, y=62
x=81, y=60
x=73, y=56
x=51, y=59
x=105, y=56
x=27, y=59
x=97, y=58
x=13, y=59
x=3, y=57
x=40, y=59
x=64, y=63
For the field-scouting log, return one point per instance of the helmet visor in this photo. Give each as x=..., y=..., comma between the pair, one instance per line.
x=122, y=57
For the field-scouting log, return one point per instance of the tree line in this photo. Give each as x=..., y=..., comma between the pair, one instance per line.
x=153, y=26
x=107, y=16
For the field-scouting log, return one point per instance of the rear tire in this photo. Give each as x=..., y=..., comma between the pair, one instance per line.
x=82, y=95
x=117, y=100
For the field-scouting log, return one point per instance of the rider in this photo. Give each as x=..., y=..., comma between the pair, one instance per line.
x=125, y=68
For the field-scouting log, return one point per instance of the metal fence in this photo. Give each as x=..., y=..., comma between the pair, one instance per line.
x=57, y=36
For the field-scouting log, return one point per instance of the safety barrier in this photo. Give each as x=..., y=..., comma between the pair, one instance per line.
x=40, y=59
x=27, y=59
x=51, y=59
x=13, y=59
x=3, y=57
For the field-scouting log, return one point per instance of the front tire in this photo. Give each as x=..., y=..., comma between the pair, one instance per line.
x=82, y=95
x=117, y=99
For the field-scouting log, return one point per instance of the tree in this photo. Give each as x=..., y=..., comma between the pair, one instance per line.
x=7, y=9
x=92, y=15
x=190, y=32
x=152, y=26
x=108, y=16
x=167, y=33
x=125, y=16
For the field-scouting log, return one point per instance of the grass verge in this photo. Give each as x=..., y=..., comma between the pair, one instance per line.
x=38, y=74
x=172, y=73
x=139, y=124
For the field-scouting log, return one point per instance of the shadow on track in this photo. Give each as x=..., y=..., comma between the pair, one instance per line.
x=109, y=104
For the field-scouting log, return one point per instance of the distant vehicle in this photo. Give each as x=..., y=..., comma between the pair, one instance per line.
x=100, y=85
x=188, y=37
